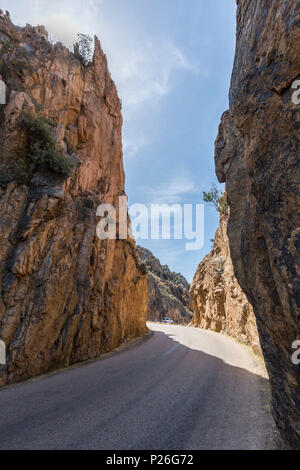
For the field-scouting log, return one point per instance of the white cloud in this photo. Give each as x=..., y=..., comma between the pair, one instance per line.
x=171, y=192
x=132, y=146
x=61, y=28
x=144, y=73
x=63, y=19
x=169, y=256
x=141, y=65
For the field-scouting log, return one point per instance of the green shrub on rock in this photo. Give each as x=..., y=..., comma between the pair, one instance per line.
x=43, y=149
x=216, y=198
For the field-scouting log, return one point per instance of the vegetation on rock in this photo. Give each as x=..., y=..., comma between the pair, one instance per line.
x=216, y=198
x=83, y=48
x=68, y=296
x=43, y=150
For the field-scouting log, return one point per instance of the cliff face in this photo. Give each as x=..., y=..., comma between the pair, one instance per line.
x=219, y=303
x=258, y=155
x=168, y=291
x=65, y=296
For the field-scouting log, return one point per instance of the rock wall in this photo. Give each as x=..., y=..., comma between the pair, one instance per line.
x=168, y=292
x=219, y=303
x=65, y=295
x=258, y=155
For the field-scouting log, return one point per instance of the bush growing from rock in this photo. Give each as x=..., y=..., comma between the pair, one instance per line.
x=43, y=150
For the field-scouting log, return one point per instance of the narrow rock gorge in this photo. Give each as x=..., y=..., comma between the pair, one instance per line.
x=168, y=292
x=219, y=303
x=65, y=295
x=258, y=156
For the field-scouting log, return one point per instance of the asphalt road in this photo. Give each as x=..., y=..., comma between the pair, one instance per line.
x=182, y=389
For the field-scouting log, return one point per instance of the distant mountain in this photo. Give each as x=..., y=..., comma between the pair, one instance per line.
x=168, y=291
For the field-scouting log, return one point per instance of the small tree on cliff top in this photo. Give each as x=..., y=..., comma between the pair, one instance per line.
x=216, y=198
x=83, y=48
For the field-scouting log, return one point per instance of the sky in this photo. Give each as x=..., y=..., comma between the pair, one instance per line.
x=171, y=61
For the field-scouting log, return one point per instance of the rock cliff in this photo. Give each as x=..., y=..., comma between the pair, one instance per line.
x=65, y=295
x=168, y=295
x=258, y=155
x=219, y=303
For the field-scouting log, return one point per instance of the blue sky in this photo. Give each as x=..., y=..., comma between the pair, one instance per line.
x=171, y=61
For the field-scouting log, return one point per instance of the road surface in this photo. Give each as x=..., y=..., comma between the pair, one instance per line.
x=183, y=389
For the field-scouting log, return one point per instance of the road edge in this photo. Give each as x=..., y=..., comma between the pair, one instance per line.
x=131, y=344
